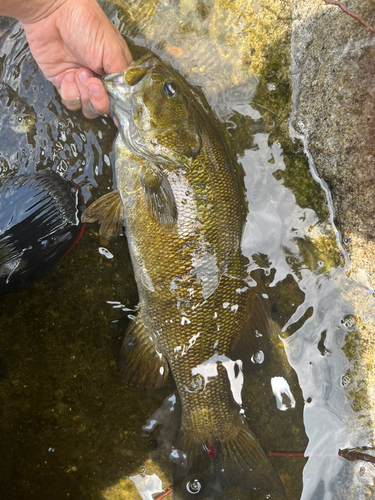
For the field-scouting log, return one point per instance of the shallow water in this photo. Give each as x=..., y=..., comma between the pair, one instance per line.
x=69, y=428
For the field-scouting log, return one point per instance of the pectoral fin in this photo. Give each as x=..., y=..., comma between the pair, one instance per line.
x=141, y=362
x=159, y=195
x=107, y=210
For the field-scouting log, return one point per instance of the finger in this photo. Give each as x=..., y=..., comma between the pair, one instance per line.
x=98, y=96
x=117, y=55
x=125, y=49
x=82, y=76
x=69, y=92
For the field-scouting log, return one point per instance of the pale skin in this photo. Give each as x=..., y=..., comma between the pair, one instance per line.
x=71, y=40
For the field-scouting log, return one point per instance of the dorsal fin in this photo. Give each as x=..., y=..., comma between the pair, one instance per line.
x=252, y=343
x=107, y=210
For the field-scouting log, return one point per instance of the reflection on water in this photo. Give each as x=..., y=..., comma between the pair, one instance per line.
x=37, y=132
x=69, y=428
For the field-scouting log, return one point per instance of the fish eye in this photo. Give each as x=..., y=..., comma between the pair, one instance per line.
x=170, y=89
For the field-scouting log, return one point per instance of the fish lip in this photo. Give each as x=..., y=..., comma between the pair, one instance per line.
x=114, y=79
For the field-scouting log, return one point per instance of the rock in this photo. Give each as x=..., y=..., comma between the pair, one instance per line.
x=332, y=67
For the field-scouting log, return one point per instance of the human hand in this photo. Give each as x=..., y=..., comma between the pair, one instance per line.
x=71, y=43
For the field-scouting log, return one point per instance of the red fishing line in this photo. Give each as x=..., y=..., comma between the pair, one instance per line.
x=163, y=495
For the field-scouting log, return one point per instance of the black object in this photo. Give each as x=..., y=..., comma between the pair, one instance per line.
x=39, y=224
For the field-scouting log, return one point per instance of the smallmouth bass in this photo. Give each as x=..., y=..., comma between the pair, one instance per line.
x=201, y=317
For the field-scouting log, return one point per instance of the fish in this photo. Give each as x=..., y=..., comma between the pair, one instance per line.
x=201, y=316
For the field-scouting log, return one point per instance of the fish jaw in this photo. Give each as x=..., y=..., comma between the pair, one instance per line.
x=119, y=96
x=120, y=86
x=122, y=104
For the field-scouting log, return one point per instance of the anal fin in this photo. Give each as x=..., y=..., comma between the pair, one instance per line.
x=141, y=362
x=108, y=211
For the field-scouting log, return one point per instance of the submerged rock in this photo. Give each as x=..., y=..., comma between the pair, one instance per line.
x=332, y=67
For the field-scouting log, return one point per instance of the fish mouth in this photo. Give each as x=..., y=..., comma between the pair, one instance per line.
x=115, y=83
x=119, y=92
x=113, y=79
x=122, y=87
x=129, y=78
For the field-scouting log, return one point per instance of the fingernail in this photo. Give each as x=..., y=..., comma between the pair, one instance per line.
x=83, y=76
x=94, y=89
x=70, y=77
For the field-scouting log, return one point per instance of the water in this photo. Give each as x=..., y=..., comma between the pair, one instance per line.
x=68, y=426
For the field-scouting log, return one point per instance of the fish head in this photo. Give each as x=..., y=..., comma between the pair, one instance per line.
x=156, y=111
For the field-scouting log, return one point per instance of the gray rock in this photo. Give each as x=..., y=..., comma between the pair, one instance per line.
x=332, y=67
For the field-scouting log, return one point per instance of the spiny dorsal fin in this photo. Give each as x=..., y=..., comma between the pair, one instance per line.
x=159, y=196
x=141, y=362
x=107, y=210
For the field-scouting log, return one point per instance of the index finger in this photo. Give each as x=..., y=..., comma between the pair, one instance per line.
x=117, y=55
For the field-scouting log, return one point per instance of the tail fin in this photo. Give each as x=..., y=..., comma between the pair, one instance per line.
x=238, y=462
